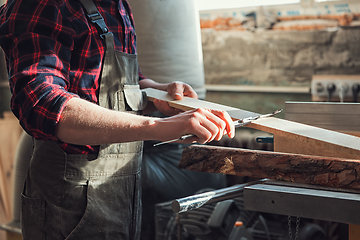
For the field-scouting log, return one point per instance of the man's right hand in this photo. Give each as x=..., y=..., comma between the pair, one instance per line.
x=206, y=124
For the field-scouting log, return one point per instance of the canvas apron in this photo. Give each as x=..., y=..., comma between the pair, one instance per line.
x=76, y=197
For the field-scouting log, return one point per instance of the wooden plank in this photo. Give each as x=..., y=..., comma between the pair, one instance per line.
x=316, y=170
x=357, y=134
x=309, y=139
x=354, y=232
x=13, y=236
x=10, y=133
x=186, y=103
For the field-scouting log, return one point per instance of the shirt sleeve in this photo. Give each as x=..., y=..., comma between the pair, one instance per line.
x=37, y=44
x=141, y=76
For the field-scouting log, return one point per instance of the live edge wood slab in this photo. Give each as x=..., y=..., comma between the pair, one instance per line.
x=316, y=170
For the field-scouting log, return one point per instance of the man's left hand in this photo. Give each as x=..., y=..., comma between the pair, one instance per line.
x=177, y=90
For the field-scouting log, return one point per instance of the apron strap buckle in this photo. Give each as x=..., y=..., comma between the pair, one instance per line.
x=98, y=20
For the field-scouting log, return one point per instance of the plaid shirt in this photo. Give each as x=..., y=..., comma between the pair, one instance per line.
x=54, y=54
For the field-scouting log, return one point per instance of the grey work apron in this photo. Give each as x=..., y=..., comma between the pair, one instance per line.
x=68, y=196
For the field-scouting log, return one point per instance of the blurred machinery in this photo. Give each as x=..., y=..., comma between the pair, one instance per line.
x=335, y=88
x=228, y=220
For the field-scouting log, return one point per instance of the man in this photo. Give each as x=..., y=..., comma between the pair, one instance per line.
x=74, y=78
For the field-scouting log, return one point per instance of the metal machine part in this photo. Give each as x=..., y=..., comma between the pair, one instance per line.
x=305, y=201
x=335, y=88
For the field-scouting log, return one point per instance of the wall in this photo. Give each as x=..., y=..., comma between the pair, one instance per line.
x=279, y=58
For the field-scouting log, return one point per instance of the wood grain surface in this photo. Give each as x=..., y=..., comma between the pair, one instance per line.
x=315, y=170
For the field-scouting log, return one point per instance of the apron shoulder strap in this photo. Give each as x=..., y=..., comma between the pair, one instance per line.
x=95, y=17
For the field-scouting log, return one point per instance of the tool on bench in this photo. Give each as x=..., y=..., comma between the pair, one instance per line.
x=237, y=123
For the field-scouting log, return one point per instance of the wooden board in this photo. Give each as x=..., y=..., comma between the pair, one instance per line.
x=10, y=132
x=316, y=170
x=354, y=232
x=12, y=236
x=288, y=135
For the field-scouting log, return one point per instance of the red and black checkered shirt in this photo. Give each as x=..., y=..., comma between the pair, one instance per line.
x=54, y=54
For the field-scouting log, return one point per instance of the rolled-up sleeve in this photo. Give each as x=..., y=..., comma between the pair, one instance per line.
x=37, y=44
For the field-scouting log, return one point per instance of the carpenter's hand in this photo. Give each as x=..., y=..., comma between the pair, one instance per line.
x=177, y=90
x=206, y=124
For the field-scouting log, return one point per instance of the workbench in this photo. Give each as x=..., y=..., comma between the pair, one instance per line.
x=305, y=201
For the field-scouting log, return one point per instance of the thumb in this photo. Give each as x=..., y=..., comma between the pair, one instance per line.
x=176, y=89
x=178, y=92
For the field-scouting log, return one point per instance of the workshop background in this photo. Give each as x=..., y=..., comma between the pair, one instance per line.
x=253, y=58
x=264, y=56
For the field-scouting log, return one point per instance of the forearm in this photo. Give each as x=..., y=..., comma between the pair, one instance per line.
x=85, y=123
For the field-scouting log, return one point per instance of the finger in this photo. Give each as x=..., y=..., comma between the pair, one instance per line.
x=210, y=129
x=224, y=122
x=164, y=107
x=179, y=89
x=229, y=127
x=161, y=105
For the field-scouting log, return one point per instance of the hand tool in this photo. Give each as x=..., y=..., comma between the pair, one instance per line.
x=237, y=123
